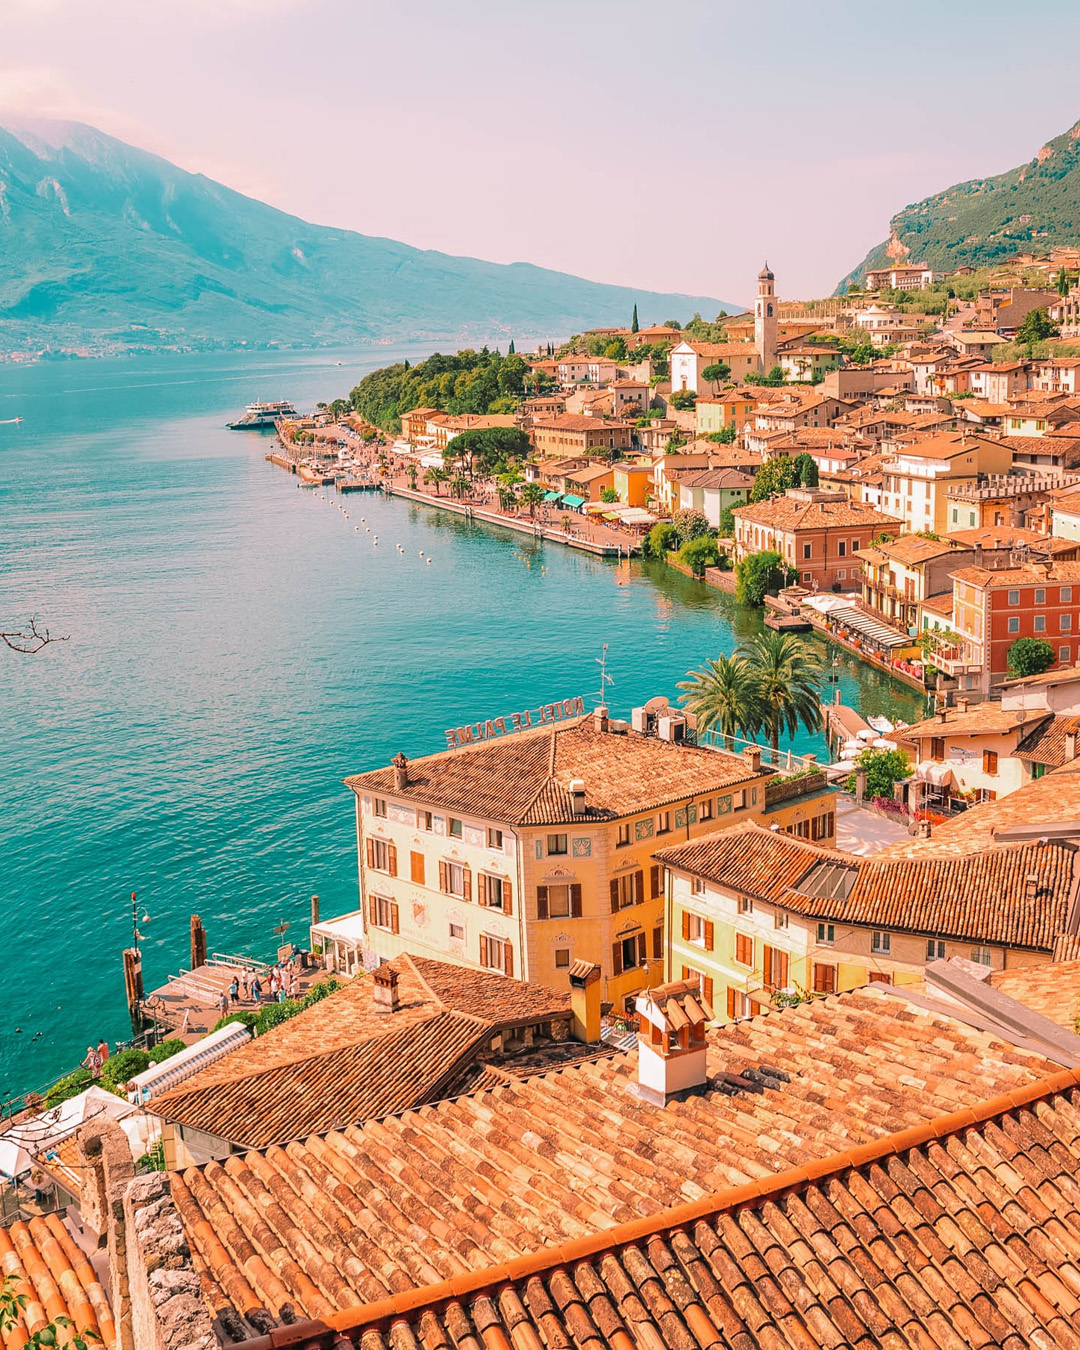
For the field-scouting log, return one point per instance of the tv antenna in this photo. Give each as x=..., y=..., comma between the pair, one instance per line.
x=605, y=678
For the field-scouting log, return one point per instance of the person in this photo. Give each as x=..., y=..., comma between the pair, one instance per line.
x=223, y=1003
x=256, y=988
x=234, y=990
x=244, y=981
x=92, y=1062
x=103, y=1050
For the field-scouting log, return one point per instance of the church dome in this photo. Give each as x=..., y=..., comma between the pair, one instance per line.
x=765, y=274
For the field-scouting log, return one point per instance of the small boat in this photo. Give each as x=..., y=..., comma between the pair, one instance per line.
x=10, y=421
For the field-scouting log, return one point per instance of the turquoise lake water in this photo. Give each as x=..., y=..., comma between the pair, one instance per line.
x=234, y=650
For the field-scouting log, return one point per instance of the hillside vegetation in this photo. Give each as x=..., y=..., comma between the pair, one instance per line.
x=1030, y=208
x=467, y=382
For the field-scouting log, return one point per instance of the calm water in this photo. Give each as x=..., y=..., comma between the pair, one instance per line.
x=235, y=649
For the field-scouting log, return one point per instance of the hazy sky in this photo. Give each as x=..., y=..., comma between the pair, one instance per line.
x=669, y=146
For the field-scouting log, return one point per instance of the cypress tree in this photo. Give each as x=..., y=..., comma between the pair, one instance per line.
x=634, y=322
x=510, y=349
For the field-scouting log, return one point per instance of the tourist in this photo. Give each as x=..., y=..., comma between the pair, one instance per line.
x=92, y=1062
x=256, y=989
x=103, y=1050
x=223, y=1003
x=234, y=990
x=244, y=981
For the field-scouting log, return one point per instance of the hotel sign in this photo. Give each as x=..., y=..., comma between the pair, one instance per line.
x=493, y=727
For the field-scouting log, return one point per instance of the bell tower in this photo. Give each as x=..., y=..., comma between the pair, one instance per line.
x=765, y=320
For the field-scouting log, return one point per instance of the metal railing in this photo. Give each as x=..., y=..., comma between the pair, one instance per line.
x=784, y=761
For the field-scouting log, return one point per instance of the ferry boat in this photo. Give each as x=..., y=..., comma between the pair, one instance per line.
x=257, y=415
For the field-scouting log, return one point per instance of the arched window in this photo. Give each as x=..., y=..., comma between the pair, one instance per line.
x=768, y=311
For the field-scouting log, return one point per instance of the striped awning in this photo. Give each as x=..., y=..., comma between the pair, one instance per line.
x=869, y=628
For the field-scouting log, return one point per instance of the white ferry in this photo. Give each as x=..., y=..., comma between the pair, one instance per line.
x=258, y=415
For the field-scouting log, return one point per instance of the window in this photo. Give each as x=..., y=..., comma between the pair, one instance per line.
x=824, y=979
x=935, y=949
x=694, y=925
x=1066, y=595
x=380, y=807
x=806, y=550
x=705, y=810
x=495, y=839
x=383, y=913
x=981, y=955
x=823, y=827
x=1014, y=597
x=629, y=889
x=628, y=953
x=1040, y=623
x=663, y=823
x=1063, y=655
x=990, y=761
x=496, y=954
x=808, y=577
x=697, y=886
x=841, y=548
x=738, y=800
x=556, y=845
x=842, y=574
x=937, y=749
x=562, y=957
x=954, y=516
x=622, y=836
x=382, y=856
x=744, y=950
x=494, y=893
x=558, y=902
x=881, y=943
x=1014, y=625
x=453, y=828
x=781, y=919
x=775, y=967
x=416, y=868
x=457, y=932
x=425, y=821
x=455, y=879
x=746, y=905
x=1040, y=595
x=826, y=934
x=658, y=942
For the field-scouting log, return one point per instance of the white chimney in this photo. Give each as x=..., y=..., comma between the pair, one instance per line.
x=671, y=1040
x=577, y=796
x=384, y=990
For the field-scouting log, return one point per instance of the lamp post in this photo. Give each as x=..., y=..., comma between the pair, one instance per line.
x=133, y=978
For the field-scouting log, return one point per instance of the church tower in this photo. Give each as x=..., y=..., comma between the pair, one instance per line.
x=765, y=320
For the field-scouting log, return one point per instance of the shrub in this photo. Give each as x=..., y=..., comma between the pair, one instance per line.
x=699, y=554
x=121, y=1068
x=682, y=400
x=661, y=538
x=689, y=525
x=67, y=1087
x=246, y=1017
x=166, y=1049
x=884, y=769
x=1029, y=656
x=760, y=573
x=275, y=1013
x=727, y=523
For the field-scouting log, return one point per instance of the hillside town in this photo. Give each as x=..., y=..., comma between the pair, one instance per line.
x=647, y=1032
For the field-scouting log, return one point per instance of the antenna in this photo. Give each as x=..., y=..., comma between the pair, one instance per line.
x=605, y=678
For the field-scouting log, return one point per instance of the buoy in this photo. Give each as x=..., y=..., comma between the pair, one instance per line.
x=428, y=561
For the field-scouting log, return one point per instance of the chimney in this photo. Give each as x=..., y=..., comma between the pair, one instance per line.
x=753, y=757
x=401, y=772
x=1070, y=745
x=577, y=796
x=671, y=1040
x=384, y=990
x=1031, y=886
x=943, y=716
x=585, y=1001
x=923, y=829
x=600, y=718
x=962, y=704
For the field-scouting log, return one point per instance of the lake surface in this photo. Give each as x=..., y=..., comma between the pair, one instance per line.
x=235, y=649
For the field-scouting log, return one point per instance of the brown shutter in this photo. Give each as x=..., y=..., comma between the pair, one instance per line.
x=394, y=925
x=616, y=958
x=686, y=925
x=416, y=868
x=481, y=889
x=466, y=882
x=370, y=852
x=483, y=950
x=730, y=1001
x=508, y=898
x=654, y=879
x=641, y=952
x=639, y=887
x=614, y=895
x=782, y=969
x=707, y=991
x=685, y=973
x=444, y=879
x=575, y=900
x=766, y=966
x=391, y=859
x=541, y=902
x=710, y=932
x=658, y=942
x=371, y=910
x=509, y=953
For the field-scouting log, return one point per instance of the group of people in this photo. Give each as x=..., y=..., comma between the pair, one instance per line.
x=96, y=1055
x=282, y=981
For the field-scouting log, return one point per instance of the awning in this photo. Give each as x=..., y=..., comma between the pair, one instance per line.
x=570, y=500
x=552, y=496
x=869, y=628
x=612, y=515
x=596, y=508
x=937, y=775
x=639, y=517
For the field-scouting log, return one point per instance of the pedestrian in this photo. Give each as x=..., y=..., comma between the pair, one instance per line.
x=92, y=1062
x=223, y=1004
x=281, y=993
x=275, y=981
x=234, y=990
x=245, y=983
x=256, y=989
x=103, y=1050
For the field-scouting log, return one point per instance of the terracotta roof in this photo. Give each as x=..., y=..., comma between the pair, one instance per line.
x=340, y=1062
x=716, y=478
x=981, y=898
x=1045, y=743
x=524, y=779
x=944, y=447
x=954, y=1235
x=715, y=349
x=1052, y=990
x=789, y=513
x=576, y=422
x=940, y=604
x=447, y=1190
x=997, y=536
x=1069, y=446
x=1059, y=675
x=982, y=719
x=1006, y=577
x=911, y=549
x=57, y=1279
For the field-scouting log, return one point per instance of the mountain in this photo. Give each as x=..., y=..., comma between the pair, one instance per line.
x=104, y=243
x=988, y=220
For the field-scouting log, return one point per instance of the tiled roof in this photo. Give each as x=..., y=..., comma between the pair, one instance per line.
x=716, y=478
x=56, y=1278
x=983, y=897
x=524, y=779
x=984, y=719
x=790, y=513
x=987, y=579
x=339, y=1061
x=943, y=447
x=576, y=422
x=446, y=1190
x=956, y=1235
x=1045, y=744
x=911, y=548
x=1052, y=990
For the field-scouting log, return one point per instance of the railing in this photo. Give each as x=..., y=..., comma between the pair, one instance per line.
x=785, y=761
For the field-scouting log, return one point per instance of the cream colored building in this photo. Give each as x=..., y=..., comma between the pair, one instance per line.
x=918, y=478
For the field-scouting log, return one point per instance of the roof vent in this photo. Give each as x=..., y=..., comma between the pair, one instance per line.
x=1031, y=886
x=671, y=1040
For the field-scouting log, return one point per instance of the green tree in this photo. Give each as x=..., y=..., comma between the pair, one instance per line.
x=806, y=470
x=438, y=477
x=634, y=322
x=689, y=524
x=460, y=486
x=1029, y=656
x=787, y=674
x=884, y=769
x=660, y=540
x=725, y=436
x=532, y=494
x=608, y=495
x=716, y=373
x=672, y=323
x=773, y=478
x=510, y=351
x=682, y=400
x=723, y=698
x=699, y=553
x=727, y=523
x=1036, y=327
x=760, y=573
x=485, y=448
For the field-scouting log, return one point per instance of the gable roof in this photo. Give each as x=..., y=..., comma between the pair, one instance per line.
x=793, y=513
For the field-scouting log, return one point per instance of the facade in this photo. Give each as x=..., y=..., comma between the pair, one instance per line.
x=735, y=408
x=819, y=533
x=525, y=853
x=920, y=476
x=629, y=397
x=972, y=753
x=633, y=484
x=807, y=362
x=689, y=359
x=574, y=434
x=712, y=491
x=899, y=575
x=899, y=277
x=765, y=319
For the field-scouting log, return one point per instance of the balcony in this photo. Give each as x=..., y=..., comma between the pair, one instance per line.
x=953, y=662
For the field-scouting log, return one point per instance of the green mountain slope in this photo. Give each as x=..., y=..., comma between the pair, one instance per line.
x=987, y=220
x=107, y=244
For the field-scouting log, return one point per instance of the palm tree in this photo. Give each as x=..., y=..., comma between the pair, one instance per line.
x=438, y=477
x=460, y=486
x=787, y=676
x=532, y=494
x=723, y=697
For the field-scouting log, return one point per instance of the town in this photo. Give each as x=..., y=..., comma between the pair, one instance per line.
x=648, y=1031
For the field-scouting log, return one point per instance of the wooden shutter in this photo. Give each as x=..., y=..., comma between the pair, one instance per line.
x=686, y=925
x=641, y=951
x=658, y=942
x=685, y=973
x=616, y=958
x=654, y=879
x=483, y=950
x=466, y=883
x=639, y=887
x=614, y=895
x=508, y=898
x=575, y=900
x=707, y=991
x=730, y=1001
x=394, y=925
x=508, y=952
x=391, y=859
x=370, y=852
x=780, y=969
x=766, y=970
x=416, y=868
x=710, y=933
x=444, y=877
x=481, y=888
x=371, y=909
x=541, y=902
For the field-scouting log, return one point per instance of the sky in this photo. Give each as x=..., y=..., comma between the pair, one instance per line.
x=668, y=147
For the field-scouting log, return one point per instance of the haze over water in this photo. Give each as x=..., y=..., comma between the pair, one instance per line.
x=235, y=649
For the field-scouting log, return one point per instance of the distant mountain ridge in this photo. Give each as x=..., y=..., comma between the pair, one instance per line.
x=985, y=221
x=101, y=242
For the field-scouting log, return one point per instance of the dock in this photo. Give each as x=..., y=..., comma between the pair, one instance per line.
x=356, y=485
x=188, y=1004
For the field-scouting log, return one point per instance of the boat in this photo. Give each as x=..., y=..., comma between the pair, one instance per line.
x=261, y=415
x=10, y=421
